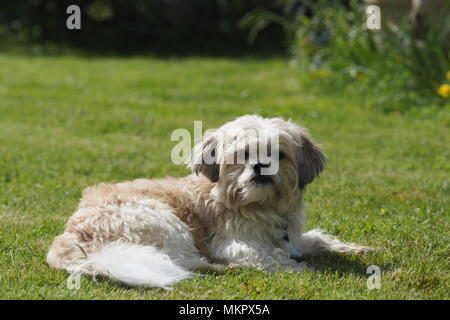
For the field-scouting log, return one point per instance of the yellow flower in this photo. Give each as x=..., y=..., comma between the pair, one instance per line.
x=448, y=75
x=321, y=74
x=444, y=90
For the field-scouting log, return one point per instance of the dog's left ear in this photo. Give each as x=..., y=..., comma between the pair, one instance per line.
x=311, y=160
x=203, y=160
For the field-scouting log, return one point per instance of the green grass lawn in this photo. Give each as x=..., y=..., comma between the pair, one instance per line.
x=68, y=122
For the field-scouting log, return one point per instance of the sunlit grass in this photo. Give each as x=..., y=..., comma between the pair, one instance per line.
x=67, y=123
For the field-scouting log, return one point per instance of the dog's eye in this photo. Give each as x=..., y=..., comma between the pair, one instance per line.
x=281, y=155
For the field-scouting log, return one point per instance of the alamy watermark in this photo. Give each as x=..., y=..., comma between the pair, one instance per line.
x=73, y=22
x=228, y=147
x=73, y=281
x=374, y=280
x=373, y=21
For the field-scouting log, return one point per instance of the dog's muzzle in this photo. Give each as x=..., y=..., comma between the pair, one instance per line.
x=258, y=178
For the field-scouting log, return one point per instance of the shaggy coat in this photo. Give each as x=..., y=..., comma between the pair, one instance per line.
x=156, y=232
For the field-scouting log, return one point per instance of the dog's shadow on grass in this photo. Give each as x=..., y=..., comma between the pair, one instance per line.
x=323, y=263
x=333, y=262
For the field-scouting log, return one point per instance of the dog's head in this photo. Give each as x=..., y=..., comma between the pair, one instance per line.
x=255, y=160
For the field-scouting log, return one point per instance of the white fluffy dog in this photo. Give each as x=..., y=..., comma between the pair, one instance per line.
x=156, y=232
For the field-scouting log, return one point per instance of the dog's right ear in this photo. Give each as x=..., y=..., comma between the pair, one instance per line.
x=203, y=159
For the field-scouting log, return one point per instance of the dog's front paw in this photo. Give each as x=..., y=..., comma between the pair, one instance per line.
x=353, y=248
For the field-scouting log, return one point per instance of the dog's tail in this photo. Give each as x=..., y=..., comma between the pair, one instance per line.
x=132, y=264
x=135, y=265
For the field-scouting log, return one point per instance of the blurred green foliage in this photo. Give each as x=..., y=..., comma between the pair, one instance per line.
x=393, y=68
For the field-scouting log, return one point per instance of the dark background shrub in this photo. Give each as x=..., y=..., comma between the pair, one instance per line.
x=131, y=26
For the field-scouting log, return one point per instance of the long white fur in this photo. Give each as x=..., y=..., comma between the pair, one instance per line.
x=145, y=265
x=315, y=241
x=135, y=265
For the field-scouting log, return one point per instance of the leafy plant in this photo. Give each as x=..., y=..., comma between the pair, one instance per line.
x=394, y=67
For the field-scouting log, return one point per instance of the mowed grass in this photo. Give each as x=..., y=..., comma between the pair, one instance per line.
x=70, y=122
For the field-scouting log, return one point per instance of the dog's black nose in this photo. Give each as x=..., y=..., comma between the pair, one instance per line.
x=257, y=167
